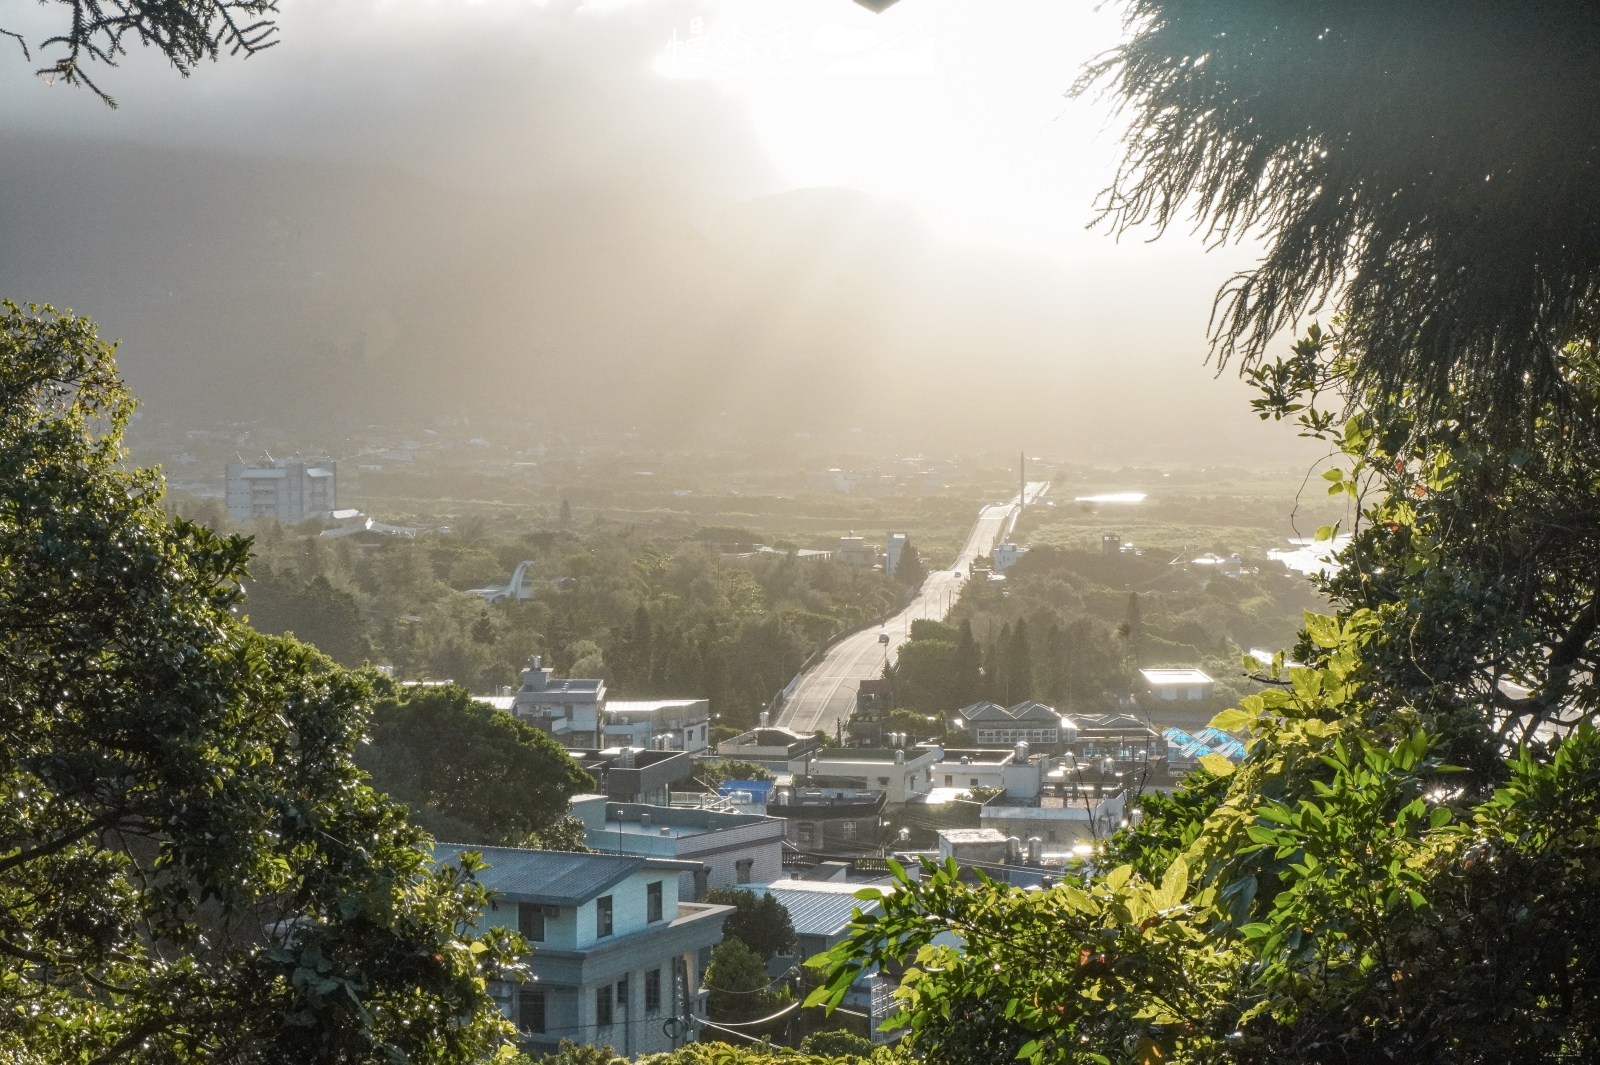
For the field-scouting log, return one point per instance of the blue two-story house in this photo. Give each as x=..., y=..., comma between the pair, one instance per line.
x=614, y=951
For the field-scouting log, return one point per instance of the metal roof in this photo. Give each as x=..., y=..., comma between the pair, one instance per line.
x=821, y=908
x=555, y=878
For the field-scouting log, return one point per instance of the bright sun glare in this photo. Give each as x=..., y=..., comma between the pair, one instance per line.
x=955, y=107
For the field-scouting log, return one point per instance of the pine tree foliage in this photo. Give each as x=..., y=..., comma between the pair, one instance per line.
x=1428, y=166
x=186, y=32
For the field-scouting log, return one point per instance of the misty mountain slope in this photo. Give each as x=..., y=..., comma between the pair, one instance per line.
x=300, y=292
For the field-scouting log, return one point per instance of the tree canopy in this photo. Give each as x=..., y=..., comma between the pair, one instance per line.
x=186, y=32
x=760, y=922
x=191, y=866
x=1427, y=166
x=471, y=773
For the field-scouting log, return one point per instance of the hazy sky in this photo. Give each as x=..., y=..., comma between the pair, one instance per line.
x=954, y=107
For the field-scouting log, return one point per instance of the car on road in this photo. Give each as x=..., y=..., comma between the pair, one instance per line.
x=883, y=637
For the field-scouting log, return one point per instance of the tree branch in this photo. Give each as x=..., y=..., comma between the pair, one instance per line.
x=60, y=843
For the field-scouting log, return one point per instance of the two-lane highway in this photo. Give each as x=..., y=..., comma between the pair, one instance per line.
x=826, y=694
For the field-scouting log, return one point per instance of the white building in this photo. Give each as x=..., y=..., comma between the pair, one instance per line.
x=855, y=551
x=289, y=490
x=659, y=724
x=1177, y=685
x=733, y=849
x=900, y=774
x=894, y=543
x=615, y=950
x=1006, y=555
x=569, y=710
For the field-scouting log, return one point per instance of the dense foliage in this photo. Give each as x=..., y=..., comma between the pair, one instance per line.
x=1068, y=626
x=760, y=922
x=739, y=986
x=1426, y=165
x=653, y=617
x=470, y=773
x=191, y=866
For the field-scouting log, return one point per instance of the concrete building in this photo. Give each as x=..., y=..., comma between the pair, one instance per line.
x=662, y=724
x=1177, y=685
x=855, y=551
x=626, y=774
x=1006, y=555
x=836, y=819
x=289, y=490
x=900, y=774
x=769, y=744
x=1015, y=772
x=615, y=951
x=567, y=710
x=1122, y=738
x=731, y=849
x=1069, y=817
x=1041, y=727
x=894, y=544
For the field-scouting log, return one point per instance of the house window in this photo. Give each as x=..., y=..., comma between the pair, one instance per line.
x=1052, y=835
x=652, y=991
x=884, y=781
x=808, y=833
x=652, y=902
x=602, y=1006
x=741, y=870
x=530, y=1009
x=847, y=829
x=948, y=780
x=622, y=996
x=530, y=921
x=602, y=916
x=974, y=783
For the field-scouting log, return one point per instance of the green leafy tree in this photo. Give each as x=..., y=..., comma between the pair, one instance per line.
x=760, y=922
x=191, y=866
x=714, y=772
x=314, y=611
x=468, y=770
x=566, y=834
x=738, y=984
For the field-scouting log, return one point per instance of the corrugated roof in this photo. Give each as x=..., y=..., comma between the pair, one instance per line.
x=555, y=878
x=821, y=908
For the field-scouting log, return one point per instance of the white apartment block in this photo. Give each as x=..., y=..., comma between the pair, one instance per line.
x=289, y=490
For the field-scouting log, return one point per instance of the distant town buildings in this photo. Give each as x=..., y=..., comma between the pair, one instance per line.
x=287, y=490
x=733, y=849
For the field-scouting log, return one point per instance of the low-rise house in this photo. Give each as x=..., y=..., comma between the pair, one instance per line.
x=899, y=773
x=1124, y=739
x=728, y=849
x=769, y=744
x=661, y=724
x=855, y=551
x=1178, y=685
x=1006, y=555
x=1041, y=727
x=1070, y=816
x=1016, y=772
x=615, y=952
x=569, y=710
x=830, y=820
x=626, y=774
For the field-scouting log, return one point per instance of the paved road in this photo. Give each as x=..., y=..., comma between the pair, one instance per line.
x=827, y=692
